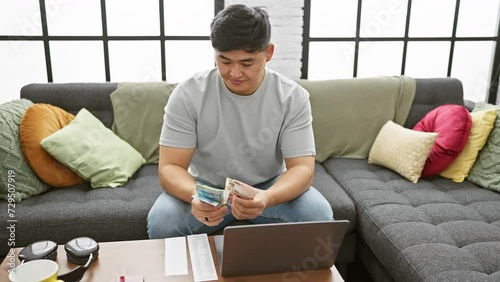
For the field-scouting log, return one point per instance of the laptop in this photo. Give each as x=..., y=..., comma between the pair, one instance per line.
x=279, y=247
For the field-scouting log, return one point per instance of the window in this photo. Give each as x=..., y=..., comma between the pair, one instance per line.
x=103, y=40
x=424, y=38
x=153, y=40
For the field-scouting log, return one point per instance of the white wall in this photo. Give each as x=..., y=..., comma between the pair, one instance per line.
x=286, y=19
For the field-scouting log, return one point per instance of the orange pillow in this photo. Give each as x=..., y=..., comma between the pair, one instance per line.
x=38, y=122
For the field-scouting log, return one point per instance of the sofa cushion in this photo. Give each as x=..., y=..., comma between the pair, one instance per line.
x=104, y=214
x=342, y=205
x=93, y=151
x=435, y=230
x=482, y=124
x=38, y=122
x=453, y=123
x=18, y=181
x=138, y=110
x=486, y=170
x=402, y=150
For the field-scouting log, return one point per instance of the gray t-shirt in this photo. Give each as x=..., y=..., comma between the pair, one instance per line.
x=241, y=137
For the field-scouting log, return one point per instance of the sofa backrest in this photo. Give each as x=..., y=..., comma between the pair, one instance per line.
x=431, y=93
x=95, y=97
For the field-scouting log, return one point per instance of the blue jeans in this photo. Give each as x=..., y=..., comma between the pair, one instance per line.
x=171, y=217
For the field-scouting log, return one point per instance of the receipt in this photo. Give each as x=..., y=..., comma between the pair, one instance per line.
x=201, y=258
x=175, y=256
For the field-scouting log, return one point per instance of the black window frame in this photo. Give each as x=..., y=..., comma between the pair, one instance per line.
x=105, y=38
x=307, y=39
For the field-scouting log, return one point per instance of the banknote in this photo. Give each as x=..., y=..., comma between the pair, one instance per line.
x=240, y=189
x=219, y=197
x=211, y=195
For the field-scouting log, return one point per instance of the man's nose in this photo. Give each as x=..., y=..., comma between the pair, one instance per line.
x=235, y=71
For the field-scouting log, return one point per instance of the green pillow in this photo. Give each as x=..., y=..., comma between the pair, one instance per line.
x=17, y=179
x=486, y=169
x=93, y=151
x=138, y=115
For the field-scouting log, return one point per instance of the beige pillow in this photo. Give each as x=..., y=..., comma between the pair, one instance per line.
x=402, y=150
x=482, y=124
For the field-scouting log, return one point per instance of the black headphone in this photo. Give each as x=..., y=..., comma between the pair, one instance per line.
x=81, y=251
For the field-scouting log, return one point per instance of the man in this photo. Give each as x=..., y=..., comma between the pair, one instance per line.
x=239, y=120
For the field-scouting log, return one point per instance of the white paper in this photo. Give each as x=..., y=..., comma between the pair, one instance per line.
x=176, y=256
x=201, y=258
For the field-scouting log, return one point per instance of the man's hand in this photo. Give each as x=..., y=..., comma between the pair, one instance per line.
x=208, y=214
x=249, y=208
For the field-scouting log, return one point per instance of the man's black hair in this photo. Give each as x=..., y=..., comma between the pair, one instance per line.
x=239, y=27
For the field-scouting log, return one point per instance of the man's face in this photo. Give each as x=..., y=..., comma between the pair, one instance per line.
x=242, y=71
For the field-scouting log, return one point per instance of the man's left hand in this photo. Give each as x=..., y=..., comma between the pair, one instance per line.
x=249, y=208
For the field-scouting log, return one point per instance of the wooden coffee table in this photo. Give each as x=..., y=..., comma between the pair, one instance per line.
x=147, y=258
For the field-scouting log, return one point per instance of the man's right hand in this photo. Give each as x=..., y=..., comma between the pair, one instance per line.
x=208, y=214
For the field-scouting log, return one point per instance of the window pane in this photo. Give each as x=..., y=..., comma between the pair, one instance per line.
x=77, y=61
x=427, y=59
x=333, y=18
x=135, y=61
x=23, y=62
x=478, y=18
x=430, y=18
x=130, y=17
x=385, y=18
x=20, y=18
x=185, y=58
x=329, y=60
x=472, y=65
x=74, y=17
x=177, y=21
x=379, y=58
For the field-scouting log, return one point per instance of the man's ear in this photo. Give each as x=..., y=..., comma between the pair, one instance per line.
x=270, y=52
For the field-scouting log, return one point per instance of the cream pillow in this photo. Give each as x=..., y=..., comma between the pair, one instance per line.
x=402, y=150
x=482, y=124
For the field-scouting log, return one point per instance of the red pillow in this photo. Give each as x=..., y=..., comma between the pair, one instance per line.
x=453, y=124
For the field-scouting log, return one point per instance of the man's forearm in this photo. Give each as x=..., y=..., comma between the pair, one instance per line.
x=176, y=181
x=291, y=184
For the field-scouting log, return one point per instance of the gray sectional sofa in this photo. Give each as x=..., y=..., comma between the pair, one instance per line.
x=435, y=230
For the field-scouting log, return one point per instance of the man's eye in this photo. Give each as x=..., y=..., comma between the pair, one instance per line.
x=225, y=63
x=247, y=65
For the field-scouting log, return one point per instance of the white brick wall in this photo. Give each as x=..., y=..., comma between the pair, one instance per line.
x=286, y=17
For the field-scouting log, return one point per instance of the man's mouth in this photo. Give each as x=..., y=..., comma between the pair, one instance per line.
x=236, y=81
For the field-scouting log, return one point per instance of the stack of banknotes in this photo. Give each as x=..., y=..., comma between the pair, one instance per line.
x=219, y=197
